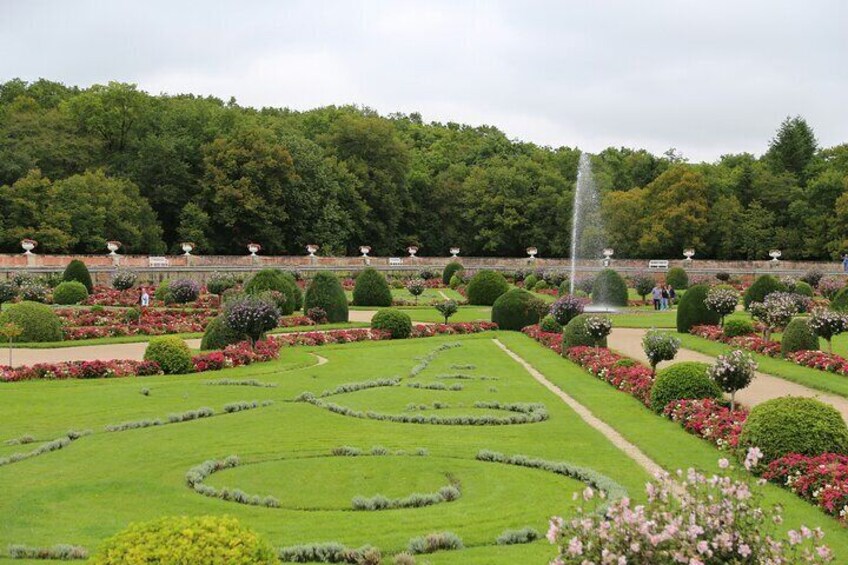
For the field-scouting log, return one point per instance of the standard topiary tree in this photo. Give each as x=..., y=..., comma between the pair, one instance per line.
x=77, y=271
x=577, y=334
x=677, y=278
x=609, y=289
x=172, y=354
x=643, y=284
x=38, y=321
x=447, y=309
x=451, y=269
x=791, y=424
x=69, y=292
x=219, y=335
x=682, y=381
x=515, y=309
x=325, y=291
x=693, y=312
x=371, y=289
x=485, y=287
x=183, y=291
x=397, y=323
x=798, y=336
x=733, y=372
x=658, y=347
x=762, y=287
x=252, y=316
x=276, y=280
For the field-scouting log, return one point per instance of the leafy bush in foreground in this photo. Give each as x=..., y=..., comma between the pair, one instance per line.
x=38, y=321
x=397, y=323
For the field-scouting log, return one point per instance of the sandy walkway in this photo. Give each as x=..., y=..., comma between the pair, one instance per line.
x=361, y=315
x=628, y=341
x=109, y=352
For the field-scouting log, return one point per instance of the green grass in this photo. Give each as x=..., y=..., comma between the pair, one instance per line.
x=430, y=295
x=465, y=314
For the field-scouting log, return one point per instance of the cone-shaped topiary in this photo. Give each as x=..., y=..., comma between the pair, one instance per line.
x=762, y=287
x=692, y=312
x=677, y=278
x=451, y=269
x=688, y=380
x=77, y=271
x=798, y=336
x=325, y=291
x=371, y=289
x=38, y=321
x=276, y=280
x=609, y=289
x=516, y=309
x=397, y=323
x=219, y=335
x=485, y=287
x=575, y=334
x=69, y=292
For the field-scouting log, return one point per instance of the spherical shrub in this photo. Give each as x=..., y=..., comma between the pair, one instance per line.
x=325, y=291
x=455, y=282
x=798, y=336
x=609, y=289
x=530, y=282
x=762, y=287
x=451, y=269
x=397, y=323
x=8, y=291
x=567, y=307
x=794, y=425
x=723, y=276
x=549, y=324
x=677, y=278
x=183, y=291
x=576, y=334
x=693, y=312
x=371, y=289
x=124, y=279
x=171, y=353
x=219, y=335
x=804, y=289
x=38, y=321
x=276, y=280
x=69, y=292
x=515, y=309
x=687, y=380
x=485, y=287
x=77, y=271
x=735, y=328
x=540, y=285
x=212, y=540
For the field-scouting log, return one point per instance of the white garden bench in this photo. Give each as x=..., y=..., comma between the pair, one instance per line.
x=658, y=264
x=395, y=261
x=158, y=262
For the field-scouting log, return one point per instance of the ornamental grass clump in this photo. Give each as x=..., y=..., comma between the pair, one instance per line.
x=659, y=346
x=732, y=372
x=722, y=301
x=513, y=537
x=826, y=324
x=61, y=552
x=433, y=542
x=251, y=317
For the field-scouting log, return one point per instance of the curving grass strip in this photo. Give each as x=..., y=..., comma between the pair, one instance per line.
x=329, y=552
x=425, y=361
x=447, y=493
x=197, y=474
x=60, y=551
x=353, y=387
x=241, y=382
x=435, y=386
x=54, y=445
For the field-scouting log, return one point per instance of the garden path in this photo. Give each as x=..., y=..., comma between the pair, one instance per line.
x=112, y=351
x=628, y=341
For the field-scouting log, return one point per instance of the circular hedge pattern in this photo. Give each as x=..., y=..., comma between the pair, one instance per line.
x=688, y=380
x=371, y=289
x=38, y=321
x=515, y=309
x=609, y=289
x=485, y=287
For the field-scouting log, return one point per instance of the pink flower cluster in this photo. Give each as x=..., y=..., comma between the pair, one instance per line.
x=620, y=372
x=80, y=370
x=708, y=419
x=551, y=340
x=85, y=324
x=750, y=342
x=821, y=361
x=236, y=355
x=821, y=480
x=104, y=296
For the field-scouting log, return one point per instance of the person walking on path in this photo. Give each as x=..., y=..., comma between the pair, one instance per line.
x=656, y=294
x=664, y=298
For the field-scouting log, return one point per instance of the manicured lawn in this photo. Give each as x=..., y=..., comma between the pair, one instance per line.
x=465, y=314
x=430, y=295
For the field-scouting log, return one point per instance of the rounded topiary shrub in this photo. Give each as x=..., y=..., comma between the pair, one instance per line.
x=274, y=280
x=69, y=292
x=762, y=287
x=219, y=335
x=485, y=287
x=371, y=289
x=735, y=328
x=530, y=282
x=455, y=282
x=803, y=289
x=794, y=425
x=840, y=300
x=451, y=269
x=38, y=321
x=77, y=271
x=687, y=380
x=172, y=354
x=691, y=310
x=798, y=336
x=163, y=292
x=213, y=540
x=515, y=309
x=183, y=291
x=540, y=285
x=325, y=291
x=609, y=289
x=677, y=278
x=397, y=323
x=575, y=334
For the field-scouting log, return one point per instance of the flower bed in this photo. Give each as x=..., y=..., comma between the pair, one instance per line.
x=821, y=480
x=627, y=376
x=750, y=342
x=708, y=419
x=80, y=370
x=821, y=361
x=104, y=296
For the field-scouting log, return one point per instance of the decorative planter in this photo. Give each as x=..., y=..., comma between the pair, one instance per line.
x=454, y=251
x=365, y=250
x=113, y=246
x=532, y=252
x=688, y=253
x=608, y=252
x=28, y=245
x=775, y=255
x=254, y=248
x=312, y=249
x=412, y=250
x=187, y=247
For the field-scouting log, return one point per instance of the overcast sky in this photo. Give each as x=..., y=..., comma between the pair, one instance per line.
x=707, y=77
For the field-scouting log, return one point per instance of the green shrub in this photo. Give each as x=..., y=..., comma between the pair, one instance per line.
x=77, y=271
x=171, y=353
x=515, y=309
x=212, y=540
x=218, y=335
x=485, y=287
x=371, y=289
x=575, y=334
x=803, y=289
x=38, y=321
x=762, y=287
x=451, y=269
x=325, y=291
x=163, y=292
x=798, y=336
x=8, y=291
x=692, y=312
x=540, y=285
x=69, y=292
x=549, y=324
x=734, y=328
x=397, y=323
x=530, y=282
x=455, y=282
x=276, y=280
x=687, y=380
x=609, y=289
x=840, y=300
x=677, y=278
x=794, y=425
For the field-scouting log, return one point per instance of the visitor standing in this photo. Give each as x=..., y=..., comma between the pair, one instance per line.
x=145, y=298
x=672, y=295
x=656, y=294
x=664, y=298
x=845, y=263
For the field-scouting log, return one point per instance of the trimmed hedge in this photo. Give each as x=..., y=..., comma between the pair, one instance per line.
x=803, y=289
x=274, y=279
x=692, y=312
x=218, y=335
x=485, y=287
x=38, y=321
x=515, y=309
x=325, y=291
x=688, y=380
x=69, y=292
x=575, y=334
x=530, y=282
x=677, y=278
x=371, y=289
x=398, y=323
x=77, y=271
x=794, y=425
x=451, y=269
x=798, y=336
x=609, y=289
x=762, y=287
x=172, y=354
x=734, y=328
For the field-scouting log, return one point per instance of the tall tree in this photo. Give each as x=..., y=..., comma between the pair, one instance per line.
x=793, y=147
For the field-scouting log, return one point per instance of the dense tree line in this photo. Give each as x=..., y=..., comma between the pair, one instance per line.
x=81, y=166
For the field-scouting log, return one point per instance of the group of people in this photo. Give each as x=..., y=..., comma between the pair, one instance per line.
x=663, y=295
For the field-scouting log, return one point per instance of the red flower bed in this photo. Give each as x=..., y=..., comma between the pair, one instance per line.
x=822, y=480
x=821, y=361
x=621, y=372
x=751, y=342
x=80, y=370
x=105, y=296
x=551, y=340
x=708, y=419
x=236, y=355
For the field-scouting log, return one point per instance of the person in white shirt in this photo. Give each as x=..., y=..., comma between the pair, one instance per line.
x=145, y=298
